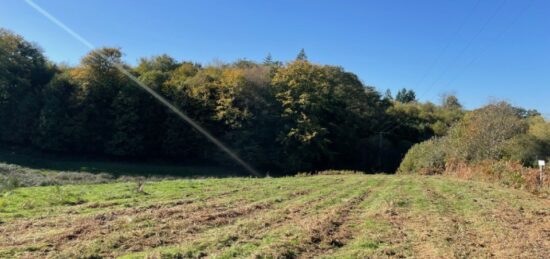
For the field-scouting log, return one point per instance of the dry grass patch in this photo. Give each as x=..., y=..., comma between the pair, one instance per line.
x=333, y=216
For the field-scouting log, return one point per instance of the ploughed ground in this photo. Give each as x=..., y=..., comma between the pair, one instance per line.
x=336, y=216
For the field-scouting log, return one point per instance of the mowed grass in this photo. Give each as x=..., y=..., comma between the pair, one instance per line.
x=330, y=216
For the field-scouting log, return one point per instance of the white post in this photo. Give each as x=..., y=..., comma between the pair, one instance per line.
x=541, y=167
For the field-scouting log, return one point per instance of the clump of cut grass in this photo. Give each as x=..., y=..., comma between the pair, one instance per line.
x=61, y=196
x=8, y=183
x=140, y=183
x=331, y=172
x=14, y=176
x=26, y=177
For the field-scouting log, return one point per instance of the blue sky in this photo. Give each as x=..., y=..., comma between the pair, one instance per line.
x=479, y=50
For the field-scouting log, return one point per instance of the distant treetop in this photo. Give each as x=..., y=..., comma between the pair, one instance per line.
x=405, y=96
x=301, y=55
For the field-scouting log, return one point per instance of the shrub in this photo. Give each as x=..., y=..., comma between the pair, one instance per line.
x=535, y=143
x=491, y=144
x=426, y=158
x=484, y=133
x=8, y=183
x=61, y=196
x=507, y=173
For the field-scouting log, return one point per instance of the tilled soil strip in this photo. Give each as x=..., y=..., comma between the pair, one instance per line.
x=191, y=219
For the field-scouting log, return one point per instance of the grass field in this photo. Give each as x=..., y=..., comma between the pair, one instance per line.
x=338, y=216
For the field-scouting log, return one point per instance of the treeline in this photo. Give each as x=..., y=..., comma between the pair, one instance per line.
x=497, y=142
x=279, y=117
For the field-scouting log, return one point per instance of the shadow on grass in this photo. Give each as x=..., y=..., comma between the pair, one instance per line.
x=46, y=161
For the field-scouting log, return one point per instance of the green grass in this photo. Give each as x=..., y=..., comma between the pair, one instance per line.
x=332, y=216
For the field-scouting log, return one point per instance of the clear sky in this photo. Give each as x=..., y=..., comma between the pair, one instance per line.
x=479, y=50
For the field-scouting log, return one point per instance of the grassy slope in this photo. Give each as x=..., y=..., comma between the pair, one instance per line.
x=331, y=216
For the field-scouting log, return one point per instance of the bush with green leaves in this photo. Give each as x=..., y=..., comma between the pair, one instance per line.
x=532, y=145
x=427, y=157
x=8, y=183
x=492, y=133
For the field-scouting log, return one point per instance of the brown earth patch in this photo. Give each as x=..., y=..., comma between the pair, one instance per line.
x=323, y=234
x=171, y=222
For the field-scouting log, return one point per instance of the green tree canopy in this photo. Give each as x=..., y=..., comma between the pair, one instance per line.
x=24, y=72
x=405, y=96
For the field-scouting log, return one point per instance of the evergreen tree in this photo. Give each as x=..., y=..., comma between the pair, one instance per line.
x=388, y=95
x=301, y=55
x=405, y=96
x=268, y=60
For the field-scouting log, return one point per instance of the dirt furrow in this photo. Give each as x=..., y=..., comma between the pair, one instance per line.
x=251, y=230
x=517, y=231
x=512, y=231
x=254, y=228
x=153, y=225
x=333, y=230
x=322, y=231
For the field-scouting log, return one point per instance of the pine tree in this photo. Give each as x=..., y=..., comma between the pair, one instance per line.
x=405, y=96
x=302, y=55
x=388, y=95
x=268, y=60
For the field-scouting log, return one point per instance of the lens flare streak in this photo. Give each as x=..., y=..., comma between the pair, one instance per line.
x=143, y=86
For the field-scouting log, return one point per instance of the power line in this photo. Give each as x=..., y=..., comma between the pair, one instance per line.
x=452, y=39
x=468, y=45
x=483, y=50
x=482, y=28
x=475, y=58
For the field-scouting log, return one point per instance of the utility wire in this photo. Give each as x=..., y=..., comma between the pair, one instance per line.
x=457, y=57
x=452, y=39
x=466, y=47
x=475, y=58
x=483, y=50
x=440, y=55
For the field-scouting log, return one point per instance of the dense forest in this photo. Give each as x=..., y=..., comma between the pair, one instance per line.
x=280, y=117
